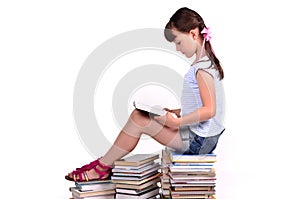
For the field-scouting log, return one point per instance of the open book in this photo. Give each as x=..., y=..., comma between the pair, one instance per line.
x=156, y=110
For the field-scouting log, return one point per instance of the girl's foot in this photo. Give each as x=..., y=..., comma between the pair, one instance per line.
x=92, y=171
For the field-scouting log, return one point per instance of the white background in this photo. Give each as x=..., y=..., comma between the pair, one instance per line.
x=43, y=45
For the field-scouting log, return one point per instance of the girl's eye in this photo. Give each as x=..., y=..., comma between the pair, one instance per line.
x=178, y=43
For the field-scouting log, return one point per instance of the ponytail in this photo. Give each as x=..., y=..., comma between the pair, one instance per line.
x=214, y=59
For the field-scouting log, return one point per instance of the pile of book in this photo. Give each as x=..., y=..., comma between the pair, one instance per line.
x=165, y=179
x=190, y=176
x=104, y=189
x=137, y=176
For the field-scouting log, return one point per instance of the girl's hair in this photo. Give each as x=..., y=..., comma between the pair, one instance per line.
x=184, y=20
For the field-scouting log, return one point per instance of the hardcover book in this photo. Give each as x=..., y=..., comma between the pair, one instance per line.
x=136, y=160
x=156, y=110
x=139, y=187
x=187, y=158
x=95, y=185
x=78, y=193
x=149, y=194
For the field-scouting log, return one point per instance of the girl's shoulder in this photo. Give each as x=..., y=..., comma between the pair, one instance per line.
x=206, y=65
x=203, y=63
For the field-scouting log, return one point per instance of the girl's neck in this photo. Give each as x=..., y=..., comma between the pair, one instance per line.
x=199, y=54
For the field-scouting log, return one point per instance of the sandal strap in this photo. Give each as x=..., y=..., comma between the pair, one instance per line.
x=105, y=167
x=85, y=167
x=80, y=177
x=74, y=177
x=85, y=176
x=102, y=173
x=106, y=170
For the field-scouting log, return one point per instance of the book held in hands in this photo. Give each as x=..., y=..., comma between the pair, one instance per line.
x=155, y=110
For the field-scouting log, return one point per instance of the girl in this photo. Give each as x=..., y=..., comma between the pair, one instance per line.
x=197, y=127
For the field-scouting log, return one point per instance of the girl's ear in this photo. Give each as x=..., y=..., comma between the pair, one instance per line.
x=194, y=33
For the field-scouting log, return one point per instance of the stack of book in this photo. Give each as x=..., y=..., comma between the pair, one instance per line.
x=137, y=176
x=165, y=179
x=104, y=189
x=191, y=176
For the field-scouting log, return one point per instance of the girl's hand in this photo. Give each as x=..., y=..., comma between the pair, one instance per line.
x=175, y=111
x=168, y=120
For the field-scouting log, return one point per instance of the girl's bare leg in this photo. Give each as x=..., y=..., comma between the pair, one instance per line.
x=137, y=124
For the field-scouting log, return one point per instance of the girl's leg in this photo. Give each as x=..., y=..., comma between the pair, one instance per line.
x=137, y=124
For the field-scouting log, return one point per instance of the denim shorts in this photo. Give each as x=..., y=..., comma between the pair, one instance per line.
x=195, y=144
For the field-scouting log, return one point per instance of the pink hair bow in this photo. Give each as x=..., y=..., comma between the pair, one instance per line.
x=206, y=34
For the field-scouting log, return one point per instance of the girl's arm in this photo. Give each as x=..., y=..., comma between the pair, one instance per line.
x=207, y=111
x=208, y=97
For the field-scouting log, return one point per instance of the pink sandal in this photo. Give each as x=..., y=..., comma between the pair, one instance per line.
x=81, y=172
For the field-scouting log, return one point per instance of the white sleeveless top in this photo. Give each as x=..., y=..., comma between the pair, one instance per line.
x=191, y=100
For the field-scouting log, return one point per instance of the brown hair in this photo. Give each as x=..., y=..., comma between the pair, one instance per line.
x=185, y=20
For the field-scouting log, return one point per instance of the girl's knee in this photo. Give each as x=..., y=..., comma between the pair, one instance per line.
x=139, y=118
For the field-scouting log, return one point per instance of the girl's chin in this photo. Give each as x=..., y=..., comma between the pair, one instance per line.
x=188, y=56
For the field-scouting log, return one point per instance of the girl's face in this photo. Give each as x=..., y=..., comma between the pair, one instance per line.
x=185, y=43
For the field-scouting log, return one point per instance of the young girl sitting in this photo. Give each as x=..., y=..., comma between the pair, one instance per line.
x=198, y=124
